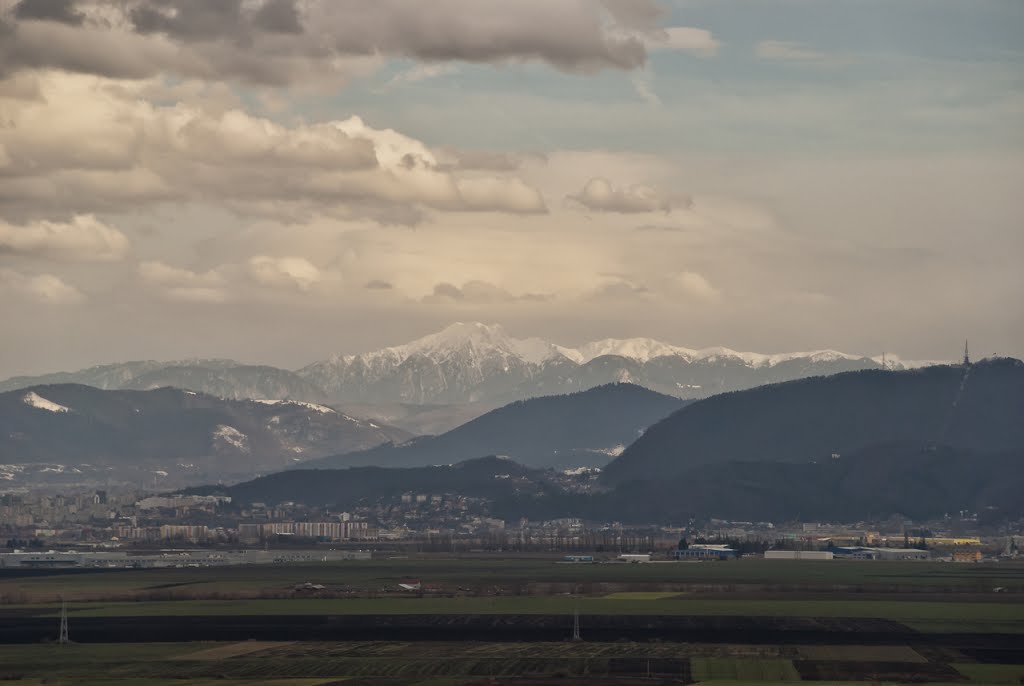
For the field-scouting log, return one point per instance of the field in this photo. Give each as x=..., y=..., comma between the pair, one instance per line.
x=488, y=621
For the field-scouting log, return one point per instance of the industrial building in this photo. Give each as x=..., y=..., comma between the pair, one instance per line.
x=705, y=552
x=862, y=553
x=798, y=555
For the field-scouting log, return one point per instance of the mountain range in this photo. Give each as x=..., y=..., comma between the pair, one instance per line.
x=182, y=436
x=857, y=446
x=587, y=428
x=473, y=363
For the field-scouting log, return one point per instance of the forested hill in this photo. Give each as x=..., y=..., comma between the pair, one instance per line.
x=814, y=419
x=585, y=428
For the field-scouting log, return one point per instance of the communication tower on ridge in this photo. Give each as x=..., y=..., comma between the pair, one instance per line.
x=967, y=357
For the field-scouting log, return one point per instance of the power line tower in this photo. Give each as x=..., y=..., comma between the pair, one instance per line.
x=967, y=357
x=576, y=623
x=62, y=637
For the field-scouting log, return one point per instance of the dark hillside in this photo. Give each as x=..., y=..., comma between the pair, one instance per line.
x=70, y=424
x=571, y=430
x=488, y=477
x=812, y=419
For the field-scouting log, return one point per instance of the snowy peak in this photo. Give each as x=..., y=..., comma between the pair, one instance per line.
x=475, y=341
x=639, y=349
x=472, y=340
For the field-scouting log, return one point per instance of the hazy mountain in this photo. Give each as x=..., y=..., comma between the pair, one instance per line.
x=475, y=364
x=580, y=429
x=223, y=378
x=173, y=431
x=813, y=419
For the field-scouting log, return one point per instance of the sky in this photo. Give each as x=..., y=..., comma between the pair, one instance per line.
x=275, y=181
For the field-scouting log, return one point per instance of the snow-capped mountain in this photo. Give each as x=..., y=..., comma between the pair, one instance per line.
x=469, y=362
x=476, y=363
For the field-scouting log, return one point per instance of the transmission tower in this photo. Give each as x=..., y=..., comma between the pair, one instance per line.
x=576, y=623
x=967, y=357
x=62, y=637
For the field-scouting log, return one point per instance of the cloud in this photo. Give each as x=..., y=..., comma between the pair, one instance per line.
x=62, y=11
x=420, y=72
x=788, y=51
x=88, y=144
x=695, y=285
x=457, y=159
x=182, y=285
x=43, y=288
x=156, y=272
x=695, y=41
x=478, y=292
x=599, y=195
x=321, y=42
x=378, y=285
x=283, y=272
x=84, y=239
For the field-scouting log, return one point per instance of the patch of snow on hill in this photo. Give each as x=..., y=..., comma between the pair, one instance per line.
x=35, y=400
x=322, y=409
x=232, y=436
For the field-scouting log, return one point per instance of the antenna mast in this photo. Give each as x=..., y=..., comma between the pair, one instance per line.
x=967, y=357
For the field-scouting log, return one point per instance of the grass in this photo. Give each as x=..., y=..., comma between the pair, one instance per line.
x=992, y=674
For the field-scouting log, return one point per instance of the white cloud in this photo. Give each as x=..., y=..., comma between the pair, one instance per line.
x=599, y=195
x=161, y=274
x=698, y=42
x=84, y=238
x=43, y=288
x=695, y=285
x=183, y=285
x=92, y=143
x=283, y=272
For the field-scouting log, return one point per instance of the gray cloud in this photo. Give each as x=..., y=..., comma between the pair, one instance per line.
x=278, y=16
x=275, y=43
x=189, y=20
x=378, y=285
x=62, y=11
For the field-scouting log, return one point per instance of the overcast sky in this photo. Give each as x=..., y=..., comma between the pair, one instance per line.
x=278, y=180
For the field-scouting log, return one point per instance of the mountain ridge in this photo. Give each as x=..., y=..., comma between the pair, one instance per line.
x=586, y=428
x=477, y=363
